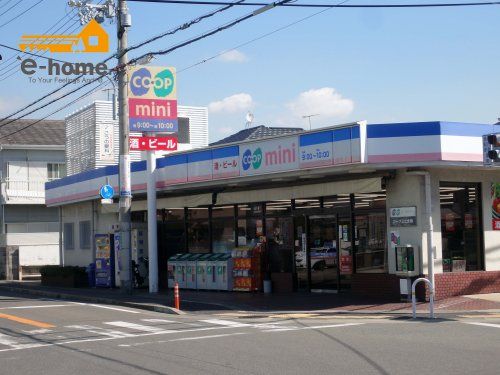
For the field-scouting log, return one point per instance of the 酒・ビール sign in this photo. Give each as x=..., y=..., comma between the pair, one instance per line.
x=153, y=143
x=403, y=216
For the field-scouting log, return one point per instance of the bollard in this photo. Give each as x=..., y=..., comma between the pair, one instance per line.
x=177, y=301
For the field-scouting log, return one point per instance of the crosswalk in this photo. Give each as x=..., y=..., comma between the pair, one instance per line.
x=181, y=330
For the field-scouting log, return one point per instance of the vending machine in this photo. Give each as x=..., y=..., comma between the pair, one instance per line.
x=104, y=260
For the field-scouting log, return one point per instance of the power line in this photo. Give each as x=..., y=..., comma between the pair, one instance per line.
x=59, y=89
x=299, y=5
x=90, y=92
x=260, y=37
x=21, y=14
x=211, y=32
x=12, y=7
x=32, y=54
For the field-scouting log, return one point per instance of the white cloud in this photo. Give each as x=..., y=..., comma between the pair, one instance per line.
x=326, y=102
x=231, y=104
x=233, y=56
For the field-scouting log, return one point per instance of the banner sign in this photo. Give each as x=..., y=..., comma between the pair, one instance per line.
x=152, y=99
x=153, y=143
x=495, y=206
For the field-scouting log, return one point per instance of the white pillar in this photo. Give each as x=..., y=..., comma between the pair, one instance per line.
x=152, y=224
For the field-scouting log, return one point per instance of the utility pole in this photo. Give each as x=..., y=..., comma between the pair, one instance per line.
x=86, y=12
x=125, y=202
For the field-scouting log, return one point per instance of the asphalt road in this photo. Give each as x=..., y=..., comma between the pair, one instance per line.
x=40, y=336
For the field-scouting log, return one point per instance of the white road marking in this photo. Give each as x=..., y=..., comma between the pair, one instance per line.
x=484, y=324
x=226, y=323
x=7, y=340
x=138, y=327
x=31, y=307
x=285, y=329
x=102, y=331
x=158, y=321
x=209, y=337
x=37, y=331
x=107, y=307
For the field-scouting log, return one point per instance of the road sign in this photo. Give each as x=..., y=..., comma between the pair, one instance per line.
x=107, y=201
x=107, y=192
x=153, y=143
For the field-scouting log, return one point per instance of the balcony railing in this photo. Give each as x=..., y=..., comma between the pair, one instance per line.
x=23, y=190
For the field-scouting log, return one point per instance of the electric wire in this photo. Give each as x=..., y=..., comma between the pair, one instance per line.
x=301, y=5
x=67, y=84
x=6, y=69
x=258, y=38
x=84, y=95
x=12, y=7
x=32, y=54
x=23, y=12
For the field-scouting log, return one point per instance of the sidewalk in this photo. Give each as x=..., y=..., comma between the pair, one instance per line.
x=256, y=303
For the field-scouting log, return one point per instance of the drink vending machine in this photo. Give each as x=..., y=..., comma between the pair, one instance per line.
x=104, y=260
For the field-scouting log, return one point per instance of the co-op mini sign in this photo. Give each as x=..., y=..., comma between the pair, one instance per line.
x=152, y=102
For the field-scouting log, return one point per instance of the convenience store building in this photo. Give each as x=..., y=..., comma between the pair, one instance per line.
x=332, y=204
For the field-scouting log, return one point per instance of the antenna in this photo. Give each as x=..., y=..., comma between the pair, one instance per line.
x=249, y=119
x=309, y=117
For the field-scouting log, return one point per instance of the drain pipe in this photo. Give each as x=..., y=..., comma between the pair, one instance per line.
x=430, y=226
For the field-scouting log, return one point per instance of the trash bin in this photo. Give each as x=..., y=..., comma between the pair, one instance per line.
x=191, y=271
x=91, y=275
x=180, y=270
x=212, y=271
x=224, y=270
x=171, y=269
x=201, y=271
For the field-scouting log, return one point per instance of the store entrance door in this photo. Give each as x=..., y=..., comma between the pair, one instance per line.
x=323, y=255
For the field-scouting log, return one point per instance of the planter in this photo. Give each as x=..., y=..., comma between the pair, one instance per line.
x=70, y=281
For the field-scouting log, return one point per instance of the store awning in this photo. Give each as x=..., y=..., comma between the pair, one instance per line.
x=366, y=185
x=176, y=202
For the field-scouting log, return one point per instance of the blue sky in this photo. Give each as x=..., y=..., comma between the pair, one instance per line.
x=383, y=65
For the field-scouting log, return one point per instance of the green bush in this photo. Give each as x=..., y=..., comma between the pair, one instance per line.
x=59, y=271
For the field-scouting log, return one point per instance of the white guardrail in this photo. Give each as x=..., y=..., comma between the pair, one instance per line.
x=414, y=298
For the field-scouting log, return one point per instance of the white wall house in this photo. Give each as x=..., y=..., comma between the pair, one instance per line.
x=92, y=135
x=30, y=155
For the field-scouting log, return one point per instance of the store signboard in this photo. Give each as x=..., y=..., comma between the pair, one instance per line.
x=152, y=99
x=403, y=216
x=200, y=166
x=495, y=206
x=274, y=155
x=225, y=162
x=106, y=142
x=316, y=149
x=342, y=153
x=171, y=170
x=153, y=143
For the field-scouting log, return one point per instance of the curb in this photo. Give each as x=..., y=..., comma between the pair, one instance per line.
x=92, y=299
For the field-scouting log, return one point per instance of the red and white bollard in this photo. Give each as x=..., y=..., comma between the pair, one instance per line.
x=177, y=299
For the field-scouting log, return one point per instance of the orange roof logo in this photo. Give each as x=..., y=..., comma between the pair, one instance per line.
x=93, y=38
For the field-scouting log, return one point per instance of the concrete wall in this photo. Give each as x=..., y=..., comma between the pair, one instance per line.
x=102, y=217
x=404, y=191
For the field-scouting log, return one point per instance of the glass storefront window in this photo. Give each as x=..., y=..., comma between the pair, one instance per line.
x=174, y=214
x=198, y=230
x=461, y=228
x=223, y=229
x=341, y=201
x=279, y=208
x=371, y=232
x=279, y=233
x=249, y=231
x=301, y=204
x=251, y=209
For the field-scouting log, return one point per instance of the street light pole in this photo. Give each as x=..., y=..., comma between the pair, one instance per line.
x=125, y=202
